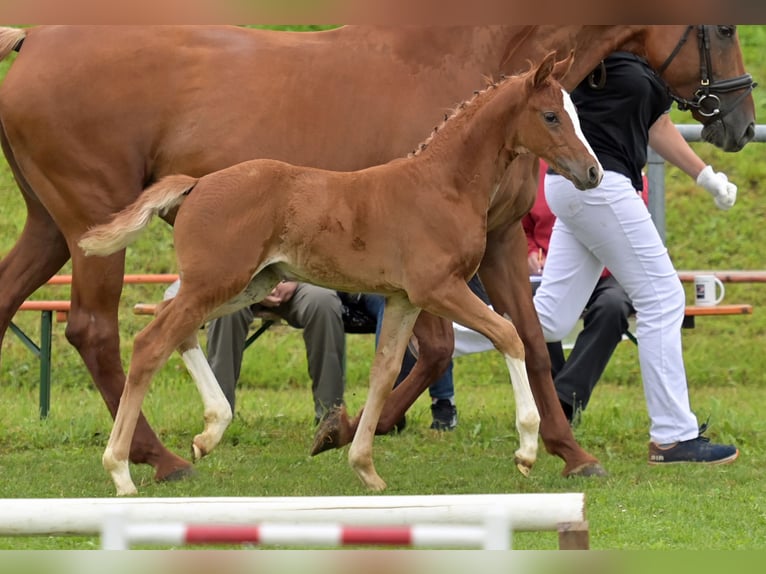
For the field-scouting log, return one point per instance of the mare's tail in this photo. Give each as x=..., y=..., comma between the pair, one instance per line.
x=10, y=39
x=128, y=224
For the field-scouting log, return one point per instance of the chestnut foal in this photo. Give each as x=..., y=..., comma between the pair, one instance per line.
x=413, y=229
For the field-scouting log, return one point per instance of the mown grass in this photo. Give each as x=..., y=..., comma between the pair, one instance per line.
x=265, y=451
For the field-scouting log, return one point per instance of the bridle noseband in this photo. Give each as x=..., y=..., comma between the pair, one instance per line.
x=705, y=100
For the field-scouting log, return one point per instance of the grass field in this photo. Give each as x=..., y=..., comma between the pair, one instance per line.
x=265, y=451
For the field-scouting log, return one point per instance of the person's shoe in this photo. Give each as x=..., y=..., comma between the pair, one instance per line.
x=697, y=450
x=444, y=414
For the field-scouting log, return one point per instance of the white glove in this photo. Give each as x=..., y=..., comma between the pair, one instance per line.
x=718, y=185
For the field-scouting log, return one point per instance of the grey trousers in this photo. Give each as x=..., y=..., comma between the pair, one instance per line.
x=318, y=312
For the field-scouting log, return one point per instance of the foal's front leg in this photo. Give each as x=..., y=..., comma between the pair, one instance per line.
x=396, y=328
x=457, y=302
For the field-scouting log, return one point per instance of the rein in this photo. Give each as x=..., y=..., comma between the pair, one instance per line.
x=705, y=99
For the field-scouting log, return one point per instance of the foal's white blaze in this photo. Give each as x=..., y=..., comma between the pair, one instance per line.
x=217, y=409
x=570, y=109
x=527, y=416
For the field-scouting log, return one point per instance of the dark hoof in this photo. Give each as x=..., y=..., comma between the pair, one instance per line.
x=586, y=470
x=334, y=431
x=179, y=474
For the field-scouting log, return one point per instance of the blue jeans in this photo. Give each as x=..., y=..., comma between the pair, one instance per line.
x=443, y=387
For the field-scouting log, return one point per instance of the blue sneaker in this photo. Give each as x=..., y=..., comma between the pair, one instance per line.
x=697, y=450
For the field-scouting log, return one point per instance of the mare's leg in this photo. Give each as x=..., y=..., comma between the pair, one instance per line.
x=395, y=332
x=93, y=329
x=504, y=274
x=38, y=254
x=174, y=325
x=45, y=246
x=456, y=301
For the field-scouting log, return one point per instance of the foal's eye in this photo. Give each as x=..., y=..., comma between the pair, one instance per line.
x=727, y=31
x=550, y=118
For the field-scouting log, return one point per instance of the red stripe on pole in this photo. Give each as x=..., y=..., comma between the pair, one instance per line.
x=222, y=534
x=394, y=536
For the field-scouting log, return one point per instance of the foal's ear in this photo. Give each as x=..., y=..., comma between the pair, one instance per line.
x=544, y=69
x=562, y=68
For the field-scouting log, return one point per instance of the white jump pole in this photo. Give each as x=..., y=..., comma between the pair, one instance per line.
x=85, y=516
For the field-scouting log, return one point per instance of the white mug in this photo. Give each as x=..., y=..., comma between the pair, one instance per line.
x=705, y=288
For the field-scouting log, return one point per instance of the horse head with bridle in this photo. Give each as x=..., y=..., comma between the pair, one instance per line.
x=718, y=101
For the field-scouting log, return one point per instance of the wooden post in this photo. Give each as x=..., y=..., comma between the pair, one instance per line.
x=574, y=535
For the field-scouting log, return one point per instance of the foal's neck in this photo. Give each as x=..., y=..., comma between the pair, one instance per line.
x=469, y=148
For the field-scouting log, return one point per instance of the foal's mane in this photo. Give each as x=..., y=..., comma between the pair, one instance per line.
x=491, y=85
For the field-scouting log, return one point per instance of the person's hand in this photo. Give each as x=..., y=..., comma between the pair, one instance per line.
x=535, y=261
x=282, y=293
x=718, y=185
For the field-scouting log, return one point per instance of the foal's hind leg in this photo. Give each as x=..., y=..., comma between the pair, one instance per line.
x=151, y=349
x=457, y=302
x=395, y=332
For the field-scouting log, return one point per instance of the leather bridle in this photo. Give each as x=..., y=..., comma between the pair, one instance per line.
x=705, y=99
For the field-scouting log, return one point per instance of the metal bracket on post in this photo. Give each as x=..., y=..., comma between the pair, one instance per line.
x=46, y=336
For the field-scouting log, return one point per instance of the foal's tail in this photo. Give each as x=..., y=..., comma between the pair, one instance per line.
x=10, y=39
x=128, y=224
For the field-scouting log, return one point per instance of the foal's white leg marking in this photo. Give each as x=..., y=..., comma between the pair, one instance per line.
x=217, y=409
x=527, y=416
x=570, y=109
x=120, y=473
x=473, y=314
x=115, y=457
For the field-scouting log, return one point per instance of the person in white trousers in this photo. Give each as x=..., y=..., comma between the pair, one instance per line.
x=610, y=226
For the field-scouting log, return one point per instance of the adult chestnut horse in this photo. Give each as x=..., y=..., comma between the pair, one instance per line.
x=92, y=115
x=413, y=229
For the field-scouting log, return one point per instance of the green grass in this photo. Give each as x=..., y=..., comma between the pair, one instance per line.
x=265, y=451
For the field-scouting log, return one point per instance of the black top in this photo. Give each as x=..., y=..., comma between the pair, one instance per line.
x=616, y=117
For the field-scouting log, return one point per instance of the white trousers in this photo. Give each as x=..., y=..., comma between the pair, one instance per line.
x=611, y=226
x=468, y=341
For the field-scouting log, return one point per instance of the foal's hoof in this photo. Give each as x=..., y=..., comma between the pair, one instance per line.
x=197, y=452
x=374, y=484
x=586, y=470
x=334, y=431
x=524, y=467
